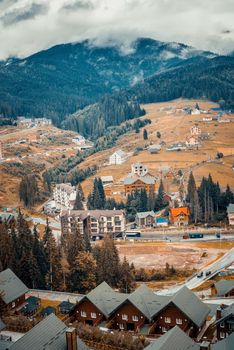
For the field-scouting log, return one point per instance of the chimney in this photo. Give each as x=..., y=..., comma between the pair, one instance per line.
x=71, y=339
x=218, y=313
x=205, y=345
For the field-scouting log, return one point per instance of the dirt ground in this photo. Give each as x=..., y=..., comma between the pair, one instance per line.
x=180, y=255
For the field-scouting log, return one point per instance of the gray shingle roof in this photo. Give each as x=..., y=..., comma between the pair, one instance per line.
x=2, y=324
x=49, y=334
x=191, y=305
x=146, y=301
x=225, y=344
x=105, y=298
x=144, y=214
x=175, y=339
x=224, y=286
x=11, y=286
x=147, y=179
x=5, y=344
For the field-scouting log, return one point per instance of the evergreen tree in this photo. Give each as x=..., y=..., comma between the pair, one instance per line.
x=191, y=195
x=126, y=281
x=143, y=200
x=6, y=257
x=108, y=264
x=83, y=273
x=101, y=193
x=159, y=202
x=151, y=200
x=75, y=245
x=40, y=256
x=28, y=190
x=86, y=241
x=145, y=134
x=78, y=205
x=80, y=190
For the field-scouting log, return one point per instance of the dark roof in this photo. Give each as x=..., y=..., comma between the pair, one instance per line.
x=28, y=308
x=191, y=306
x=11, y=286
x=48, y=310
x=224, y=286
x=5, y=344
x=66, y=305
x=225, y=344
x=49, y=334
x=175, y=339
x=105, y=298
x=33, y=300
x=2, y=325
x=146, y=301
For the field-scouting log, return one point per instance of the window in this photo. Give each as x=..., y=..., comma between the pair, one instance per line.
x=135, y=318
x=13, y=304
x=83, y=314
x=179, y=321
x=222, y=335
x=222, y=324
x=167, y=319
x=121, y=326
x=164, y=329
x=124, y=317
x=93, y=315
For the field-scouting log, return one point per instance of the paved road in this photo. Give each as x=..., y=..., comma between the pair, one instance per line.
x=194, y=282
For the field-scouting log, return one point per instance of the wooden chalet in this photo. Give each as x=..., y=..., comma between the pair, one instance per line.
x=179, y=216
x=224, y=321
x=12, y=290
x=137, y=183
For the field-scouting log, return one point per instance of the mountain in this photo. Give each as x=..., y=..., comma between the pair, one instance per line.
x=59, y=81
x=212, y=79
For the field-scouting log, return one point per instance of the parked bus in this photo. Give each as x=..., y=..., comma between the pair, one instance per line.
x=132, y=234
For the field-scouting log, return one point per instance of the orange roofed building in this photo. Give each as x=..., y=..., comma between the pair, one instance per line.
x=179, y=216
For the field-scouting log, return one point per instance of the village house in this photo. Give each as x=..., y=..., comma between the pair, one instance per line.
x=118, y=157
x=179, y=216
x=207, y=118
x=64, y=195
x=224, y=344
x=180, y=146
x=49, y=334
x=195, y=111
x=79, y=140
x=204, y=136
x=107, y=180
x=142, y=310
x=224, y=288
x=224, y=321
x=154, y=149
x=230, y=212
x=145, y=219
x=12, y=290
x=195, y=130
x=161, y=222
x=96, y=223
x=139, y=169
x=134, y=183
x=192, y=142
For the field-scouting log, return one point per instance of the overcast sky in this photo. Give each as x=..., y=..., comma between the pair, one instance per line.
x=28, y=26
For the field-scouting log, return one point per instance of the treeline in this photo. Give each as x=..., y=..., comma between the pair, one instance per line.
x=211, y=79
x=111, y=110
x=207, y=203
x=68, y=266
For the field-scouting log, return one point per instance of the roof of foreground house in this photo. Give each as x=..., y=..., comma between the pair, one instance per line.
x=11, y=286
x=49, y=334
x=172, y=340
x=225, y=344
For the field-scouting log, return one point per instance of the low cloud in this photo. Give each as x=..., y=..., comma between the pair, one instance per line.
x=28, y=26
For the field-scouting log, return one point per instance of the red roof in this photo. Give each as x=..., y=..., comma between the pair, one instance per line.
x=177, y=211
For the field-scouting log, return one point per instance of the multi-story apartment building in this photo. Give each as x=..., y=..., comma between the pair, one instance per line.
x=139, y=169
x=65, y=195
x=96, y=223
x=135, y=183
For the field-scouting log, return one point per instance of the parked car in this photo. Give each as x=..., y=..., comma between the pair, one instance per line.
x=208, y=273
x=200, y=274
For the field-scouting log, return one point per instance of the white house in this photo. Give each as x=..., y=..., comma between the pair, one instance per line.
x=154, y=148
x=192, y=141
x=64, y=195
x=195, y=130
x=139, y=169
x=230, y=212
x=195, y=111
x=79, y=140
x=107, y=180
x=207, y=118
x=118, y=157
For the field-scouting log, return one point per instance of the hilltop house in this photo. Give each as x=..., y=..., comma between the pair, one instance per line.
x=195, y=111
x=135, y=183
x=154, y=149
x=195, y=130
x=180, y=146
x=145, y=219
x=179, y=216
x=141, y=311
x=139, y=169
x=13, y=290
x=118, y=157
x=230, y=212
x=64, y=195
x=192, y=141
x=96, y=223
